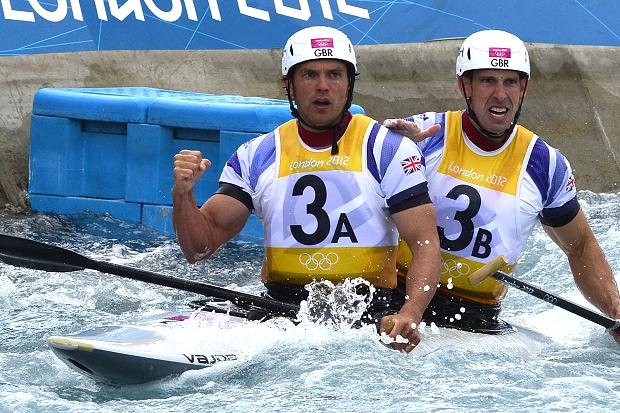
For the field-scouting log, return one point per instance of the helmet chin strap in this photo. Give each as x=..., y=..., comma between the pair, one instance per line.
x=335, y=128
x=491, y=135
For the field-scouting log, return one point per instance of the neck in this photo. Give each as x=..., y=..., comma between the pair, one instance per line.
x=481, y=141
x=322, y=139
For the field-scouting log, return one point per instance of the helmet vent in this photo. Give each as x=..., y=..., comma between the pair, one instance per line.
x=468, y=53
x=291, y=50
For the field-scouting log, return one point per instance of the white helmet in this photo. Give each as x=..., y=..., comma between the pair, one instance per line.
x=493, y=49
x=318, y=42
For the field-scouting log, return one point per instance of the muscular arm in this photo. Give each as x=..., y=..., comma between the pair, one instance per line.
x=201, y=231
x=591, y=271
x=417, y=226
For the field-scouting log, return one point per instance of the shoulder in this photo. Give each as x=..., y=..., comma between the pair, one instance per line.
x=434, y=143
x=547, y=163
x=544, y=153
x=260, y=143
x=551, y=172
x=426, y=119
x=259, y=147
x=390, y=142
x=256, y=154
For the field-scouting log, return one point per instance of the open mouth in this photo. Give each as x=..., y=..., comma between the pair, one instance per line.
x=322, y=103
x=498, y=111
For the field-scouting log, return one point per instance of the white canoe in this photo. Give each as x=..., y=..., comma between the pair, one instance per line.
x=162, y=345
x=171, y=343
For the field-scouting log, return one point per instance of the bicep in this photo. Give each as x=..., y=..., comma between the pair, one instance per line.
x=571, y=237
x=226, y=216
x=418, y=226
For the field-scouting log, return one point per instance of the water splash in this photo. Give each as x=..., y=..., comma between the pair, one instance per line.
x=341, y=305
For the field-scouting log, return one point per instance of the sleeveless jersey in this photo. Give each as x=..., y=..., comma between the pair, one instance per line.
x=326, y=216
x=487, y=203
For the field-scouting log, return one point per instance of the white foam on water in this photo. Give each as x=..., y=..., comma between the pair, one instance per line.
x=7, y=288
x=558, y=363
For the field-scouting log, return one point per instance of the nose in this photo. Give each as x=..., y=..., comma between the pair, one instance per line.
x=500, y=91
x=322, y=82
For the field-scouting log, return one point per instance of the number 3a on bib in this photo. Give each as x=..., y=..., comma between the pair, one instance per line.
x=316, y=209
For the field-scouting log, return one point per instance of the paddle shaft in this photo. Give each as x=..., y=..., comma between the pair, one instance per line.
x=239, y=298
x=599, y=319
x=33, y=254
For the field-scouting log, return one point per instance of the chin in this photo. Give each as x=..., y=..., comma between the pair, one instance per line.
x=325, y=123
x=498, y=129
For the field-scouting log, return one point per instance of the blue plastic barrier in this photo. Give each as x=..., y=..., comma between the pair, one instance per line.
x=110, y=150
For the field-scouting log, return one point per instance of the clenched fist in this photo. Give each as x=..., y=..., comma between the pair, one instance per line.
x=189, y=166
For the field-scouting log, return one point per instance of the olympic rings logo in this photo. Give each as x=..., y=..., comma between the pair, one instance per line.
x=454, y=269
x=318, y=260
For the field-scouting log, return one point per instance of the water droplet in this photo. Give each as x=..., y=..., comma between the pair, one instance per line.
x=450, y=285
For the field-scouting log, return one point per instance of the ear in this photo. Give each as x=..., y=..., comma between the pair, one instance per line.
x=524, y=83
x=462, y=82
x=288, y=85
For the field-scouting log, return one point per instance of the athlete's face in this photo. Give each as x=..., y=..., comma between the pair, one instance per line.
x=495, y=96
x=320, y=89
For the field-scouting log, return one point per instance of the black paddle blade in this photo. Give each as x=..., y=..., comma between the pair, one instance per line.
x=21, y=252
x=32, y=254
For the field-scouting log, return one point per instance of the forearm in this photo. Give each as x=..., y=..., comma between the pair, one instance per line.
x=191, y=227
x=591, y=271
x=417, y=227
x=421, y=280
x=594, y=278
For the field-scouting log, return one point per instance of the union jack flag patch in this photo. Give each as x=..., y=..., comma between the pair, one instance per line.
x=570, y=184
x=411, y=164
